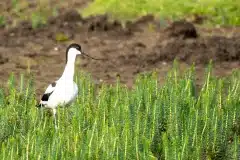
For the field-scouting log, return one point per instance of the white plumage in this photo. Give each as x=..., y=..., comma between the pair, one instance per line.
x=63, y=91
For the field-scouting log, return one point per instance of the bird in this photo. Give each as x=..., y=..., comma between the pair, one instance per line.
x=64, y=91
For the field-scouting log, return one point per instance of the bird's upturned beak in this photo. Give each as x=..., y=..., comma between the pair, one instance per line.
x=85, y=54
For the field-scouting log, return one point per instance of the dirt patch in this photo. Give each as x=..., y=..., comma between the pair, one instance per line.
x=3, y=60
x=182, y=29
x=129, y=48
x=200, y=51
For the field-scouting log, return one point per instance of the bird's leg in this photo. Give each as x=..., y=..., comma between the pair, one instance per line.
x=55, y=118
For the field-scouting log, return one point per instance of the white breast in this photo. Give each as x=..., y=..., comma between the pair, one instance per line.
x=64, y=94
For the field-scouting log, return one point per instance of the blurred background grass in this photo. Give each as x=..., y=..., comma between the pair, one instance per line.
x=36, y=11
x=217, y=12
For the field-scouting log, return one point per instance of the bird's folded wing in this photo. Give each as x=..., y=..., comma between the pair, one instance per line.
x=50, y=89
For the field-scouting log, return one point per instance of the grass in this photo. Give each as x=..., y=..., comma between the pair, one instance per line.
x=219, y=12
x=171, y=121
x=36, y=12
x=2, y=21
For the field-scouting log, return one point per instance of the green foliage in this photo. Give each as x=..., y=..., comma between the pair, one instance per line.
x=2, y=21
x=61, y=37
x=38, y=19
x=172, y=121
x=35, y=12
x=218, y=11
x=14, y=3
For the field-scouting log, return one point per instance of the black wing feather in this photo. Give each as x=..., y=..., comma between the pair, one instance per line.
x=45, y=97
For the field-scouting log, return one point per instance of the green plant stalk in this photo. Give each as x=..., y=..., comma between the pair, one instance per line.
x=150, y=121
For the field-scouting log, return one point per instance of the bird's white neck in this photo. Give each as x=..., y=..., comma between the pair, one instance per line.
x=69, y=69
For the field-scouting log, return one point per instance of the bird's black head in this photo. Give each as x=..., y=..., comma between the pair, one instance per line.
x=76, y=46
x=77, y=49
x=73, y=46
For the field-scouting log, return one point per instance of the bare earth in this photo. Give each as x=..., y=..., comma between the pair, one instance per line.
x=140, y=46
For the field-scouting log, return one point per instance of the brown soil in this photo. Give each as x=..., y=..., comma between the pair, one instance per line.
x=128, y=49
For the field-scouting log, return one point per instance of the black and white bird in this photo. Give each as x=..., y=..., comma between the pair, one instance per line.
x=63, y=91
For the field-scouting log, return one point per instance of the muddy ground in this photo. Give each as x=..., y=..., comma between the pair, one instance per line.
x=129, y=49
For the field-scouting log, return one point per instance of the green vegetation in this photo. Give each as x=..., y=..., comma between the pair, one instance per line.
x=223, y=12
x=38, y=20
x=218, y=12
x=171, y=121
x=35, y=12
x=61, y=37
x=2, y=21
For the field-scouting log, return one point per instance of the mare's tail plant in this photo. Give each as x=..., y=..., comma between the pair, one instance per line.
x=174, y=120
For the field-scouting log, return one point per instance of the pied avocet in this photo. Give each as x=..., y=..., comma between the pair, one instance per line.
x=63, y=91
